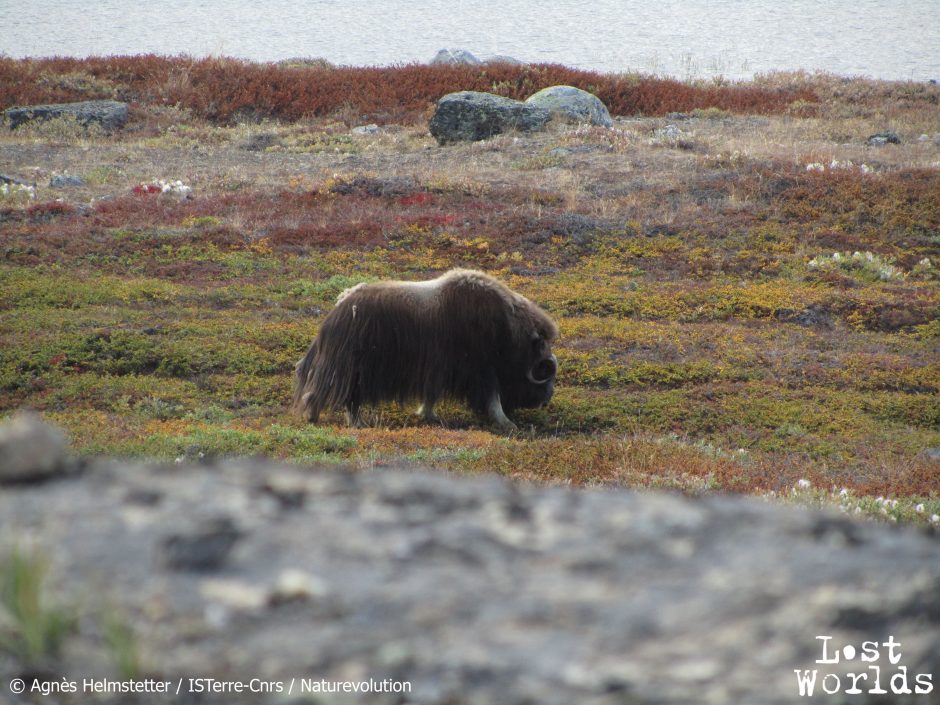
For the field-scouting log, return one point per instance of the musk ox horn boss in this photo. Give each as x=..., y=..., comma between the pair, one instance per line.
x=463, y=336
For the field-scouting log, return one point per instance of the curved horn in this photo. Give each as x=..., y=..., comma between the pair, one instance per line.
x=547, y=366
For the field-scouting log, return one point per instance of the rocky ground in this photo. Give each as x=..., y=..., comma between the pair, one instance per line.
x=473, y=590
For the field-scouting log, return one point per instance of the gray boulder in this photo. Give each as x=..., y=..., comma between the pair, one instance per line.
x=573, y=104
x=455, y=56
x=472, y=589
x=503, y=59
x=109, y=114
x=31, y=450
x=471, y=115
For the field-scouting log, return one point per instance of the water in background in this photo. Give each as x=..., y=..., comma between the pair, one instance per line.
x=895, y=39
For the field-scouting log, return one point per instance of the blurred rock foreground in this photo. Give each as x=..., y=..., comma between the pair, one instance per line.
x=471, y=589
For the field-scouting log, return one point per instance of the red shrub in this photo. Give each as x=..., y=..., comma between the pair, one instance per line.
x=228, y=90
x=42, y=212
x=419, y=199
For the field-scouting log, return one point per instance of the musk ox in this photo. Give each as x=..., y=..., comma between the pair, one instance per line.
x=463, y=336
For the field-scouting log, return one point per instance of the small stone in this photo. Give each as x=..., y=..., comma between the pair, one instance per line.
x=365, y=130
x=235, y=595
x=31, y=450
x=883, y=138
x=65, y=181
x=296, y=585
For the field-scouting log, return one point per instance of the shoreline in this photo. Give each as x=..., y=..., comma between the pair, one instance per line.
x=715, y=77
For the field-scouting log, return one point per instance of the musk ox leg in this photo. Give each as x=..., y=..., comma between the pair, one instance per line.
x=426, y=412
x=353, y=420
x=495, y=413
x=308, y=412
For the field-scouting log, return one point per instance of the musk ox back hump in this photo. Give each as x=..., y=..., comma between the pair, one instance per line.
x=462, y=335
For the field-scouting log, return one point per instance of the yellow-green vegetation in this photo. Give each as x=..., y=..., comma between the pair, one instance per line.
x=30, y=628
x=731, y=320
x=34, y=629
x=121, y=644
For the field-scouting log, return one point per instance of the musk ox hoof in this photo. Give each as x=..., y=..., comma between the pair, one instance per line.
x=506, y=427
x=429, y=417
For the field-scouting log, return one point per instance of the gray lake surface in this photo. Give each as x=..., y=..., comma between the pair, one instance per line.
x=892, y=39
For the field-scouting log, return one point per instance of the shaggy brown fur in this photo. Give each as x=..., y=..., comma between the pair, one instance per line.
x=463, y=335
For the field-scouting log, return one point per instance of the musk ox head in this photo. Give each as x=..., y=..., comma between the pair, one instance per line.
x=463, y=336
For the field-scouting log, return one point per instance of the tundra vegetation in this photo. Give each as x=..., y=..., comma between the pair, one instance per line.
x=748, y=293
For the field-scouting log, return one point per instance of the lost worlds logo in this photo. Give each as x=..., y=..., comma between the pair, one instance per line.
x=879, y=671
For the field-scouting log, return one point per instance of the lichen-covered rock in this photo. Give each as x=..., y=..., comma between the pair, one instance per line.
x=66, y=181
x=31, y=450
x=462, y=56
x=472, y=589
x=574, y=104
x=468, y=116
x=109, y=114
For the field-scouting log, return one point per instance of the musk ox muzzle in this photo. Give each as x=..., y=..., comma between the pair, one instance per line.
x=463, y=336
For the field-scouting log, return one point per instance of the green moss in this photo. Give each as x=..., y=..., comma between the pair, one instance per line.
x=587, y=369
x=308, y=292
x=304, y=444
x=51, y=287
x=929, y=330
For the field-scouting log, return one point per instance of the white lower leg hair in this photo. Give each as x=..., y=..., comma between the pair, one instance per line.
x=496, y=414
